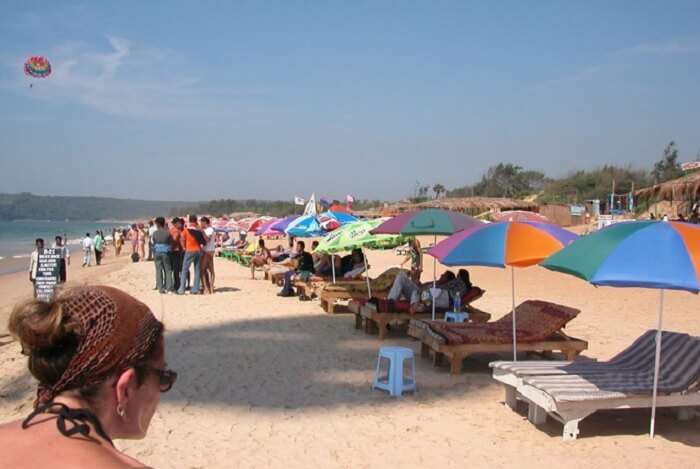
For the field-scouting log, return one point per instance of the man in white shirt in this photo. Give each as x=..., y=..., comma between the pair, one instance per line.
x=87, y=250
x=207, y=265
x=151, y=229
x=34, y=259
x=65, y=258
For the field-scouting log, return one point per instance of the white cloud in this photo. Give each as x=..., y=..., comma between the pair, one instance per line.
x=664, y=48
x=617, y=60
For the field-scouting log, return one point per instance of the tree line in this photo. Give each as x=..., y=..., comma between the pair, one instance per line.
x=28, y=206
x=513, y=181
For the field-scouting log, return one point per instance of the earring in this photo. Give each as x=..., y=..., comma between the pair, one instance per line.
x=120, y=411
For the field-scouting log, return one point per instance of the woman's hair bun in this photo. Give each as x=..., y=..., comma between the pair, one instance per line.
x=39, y=325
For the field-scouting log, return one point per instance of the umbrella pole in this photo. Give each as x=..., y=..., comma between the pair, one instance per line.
x=515, y=340
x=333, y=266
x=369, y=288
x=434, y=277
x=657, y=363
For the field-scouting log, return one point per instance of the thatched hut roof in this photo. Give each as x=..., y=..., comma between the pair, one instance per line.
x=683, y=188
x=471, y=205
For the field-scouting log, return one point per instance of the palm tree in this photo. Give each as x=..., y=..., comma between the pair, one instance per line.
x=438, y=189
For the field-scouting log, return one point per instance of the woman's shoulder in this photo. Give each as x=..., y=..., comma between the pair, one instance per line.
x=42, y=446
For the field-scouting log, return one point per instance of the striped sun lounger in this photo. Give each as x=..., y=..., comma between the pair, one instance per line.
x=574, y=391
x=639, y=355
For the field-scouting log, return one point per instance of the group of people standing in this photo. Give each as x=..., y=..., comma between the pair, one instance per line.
x=96, y=243
x=179, y=247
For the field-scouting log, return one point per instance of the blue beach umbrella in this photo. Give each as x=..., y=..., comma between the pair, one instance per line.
x=306, y=226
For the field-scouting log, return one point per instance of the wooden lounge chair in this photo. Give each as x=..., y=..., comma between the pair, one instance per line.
x=371, y=318
x=539, y=325
x=344, y=290
x=316, y=283
x=569, y=392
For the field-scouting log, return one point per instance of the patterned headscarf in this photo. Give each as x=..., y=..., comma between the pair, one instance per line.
x=114, y=331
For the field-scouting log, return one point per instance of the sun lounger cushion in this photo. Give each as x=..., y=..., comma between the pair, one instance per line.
x=679, y=371
x=639, y=356
x=536, y=321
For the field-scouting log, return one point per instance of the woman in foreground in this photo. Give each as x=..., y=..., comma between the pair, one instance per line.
x=98, y=356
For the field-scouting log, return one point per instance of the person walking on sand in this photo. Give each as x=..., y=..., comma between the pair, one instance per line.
x=118, y=241
x=208, y=255
x=193, y=243
x=64, y=261
x=99, y=246
x=143, y=236
x=134, y=235
x=34, y=260
x=87, y=250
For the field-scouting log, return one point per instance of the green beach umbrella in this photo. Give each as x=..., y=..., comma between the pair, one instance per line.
x=358, y=235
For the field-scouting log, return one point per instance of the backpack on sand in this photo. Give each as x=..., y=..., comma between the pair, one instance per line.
x=135, y=257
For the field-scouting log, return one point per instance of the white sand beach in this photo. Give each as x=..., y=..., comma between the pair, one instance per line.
x=275, y=382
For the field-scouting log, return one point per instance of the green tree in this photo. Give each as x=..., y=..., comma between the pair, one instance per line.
x=504, y=180
x=667, y=167
x=438, y=189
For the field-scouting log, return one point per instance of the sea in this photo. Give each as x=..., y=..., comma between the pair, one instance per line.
x=17, y=238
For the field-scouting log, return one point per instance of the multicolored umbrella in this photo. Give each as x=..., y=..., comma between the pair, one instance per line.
x=427, y=222
x=514, y=244
x=645, y=254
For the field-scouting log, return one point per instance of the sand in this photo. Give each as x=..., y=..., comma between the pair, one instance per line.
x=266, y=381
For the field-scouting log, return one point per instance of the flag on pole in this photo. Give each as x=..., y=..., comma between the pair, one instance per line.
x=310, y=208
x=299, y=201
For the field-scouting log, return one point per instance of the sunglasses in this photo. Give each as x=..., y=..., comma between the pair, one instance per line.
x=166, y=378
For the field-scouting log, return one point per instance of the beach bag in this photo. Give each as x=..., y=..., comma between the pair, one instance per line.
x=135, y=257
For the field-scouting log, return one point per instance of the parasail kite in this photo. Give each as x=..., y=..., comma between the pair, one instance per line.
x=37, y=67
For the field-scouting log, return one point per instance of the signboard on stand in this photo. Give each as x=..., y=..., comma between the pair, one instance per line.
x=47, y=274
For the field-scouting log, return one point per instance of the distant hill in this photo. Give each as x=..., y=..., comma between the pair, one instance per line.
x=26, y=206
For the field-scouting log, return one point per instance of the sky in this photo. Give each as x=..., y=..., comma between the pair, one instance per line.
x=183, y=100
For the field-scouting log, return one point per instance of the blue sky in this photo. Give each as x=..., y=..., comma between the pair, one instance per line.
x=198, y=100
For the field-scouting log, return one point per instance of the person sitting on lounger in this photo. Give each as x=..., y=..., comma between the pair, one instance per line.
x=262, y=257
x=323, y=264
x=284, y=254
x=304, y=270
x=420, y=297
x=463, y=275
x=357, y=268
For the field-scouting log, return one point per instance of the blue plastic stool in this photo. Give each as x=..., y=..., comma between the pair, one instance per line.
x=452, y=316
x=394, y=381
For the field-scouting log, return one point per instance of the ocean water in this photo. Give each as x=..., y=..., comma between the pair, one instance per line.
x=17, y=237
